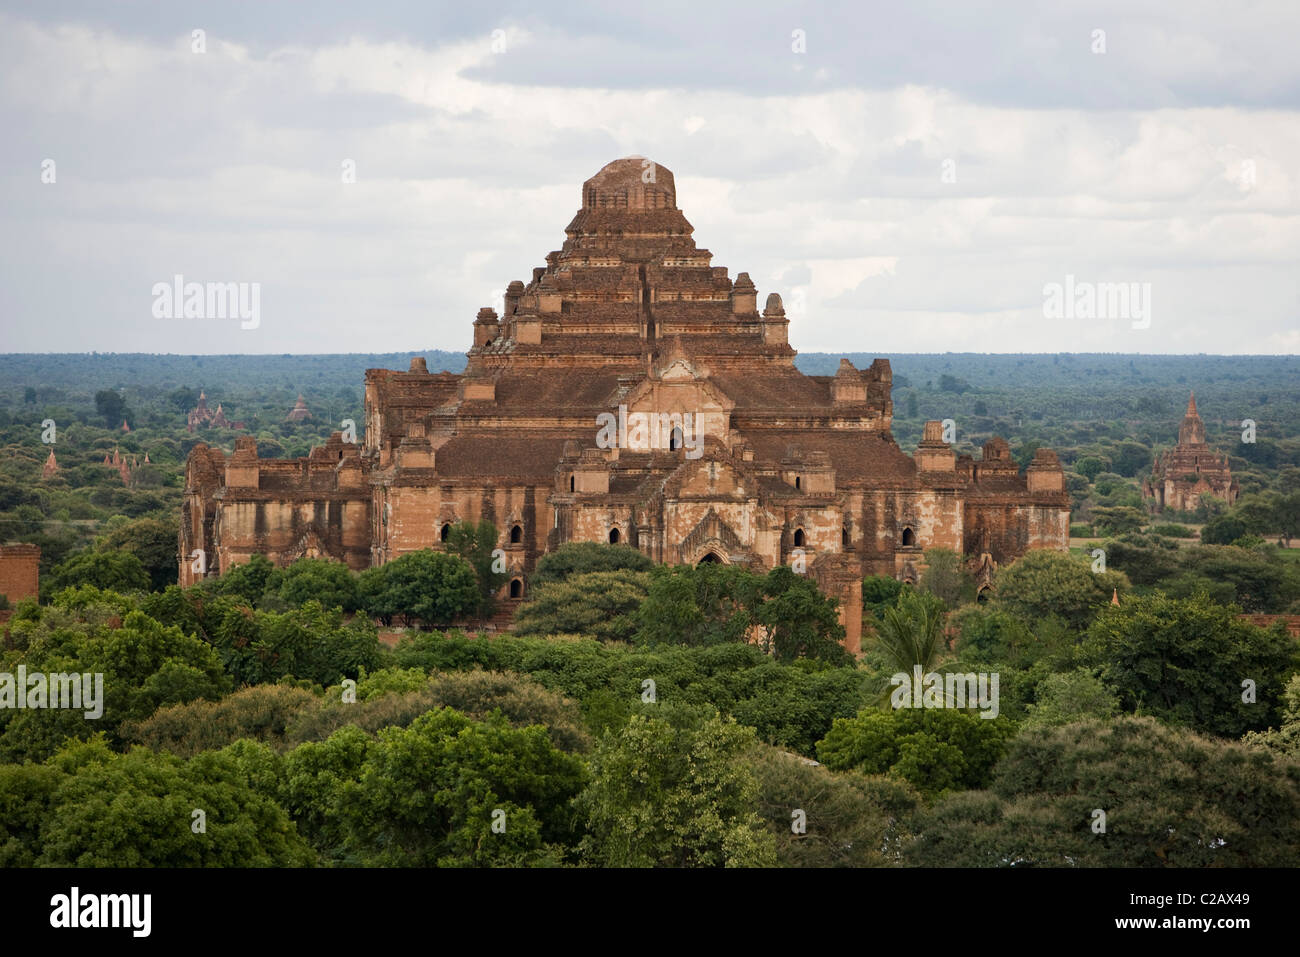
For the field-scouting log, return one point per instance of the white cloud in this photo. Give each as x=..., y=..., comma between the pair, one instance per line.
x=226, y=166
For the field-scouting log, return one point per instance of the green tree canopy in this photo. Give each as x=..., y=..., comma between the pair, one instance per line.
x=113, y=571
x=475, y=542
x=89, y=807
x=602, y=605
x=665, y=795
x=1044, y=583
x=933, y=749
x=1170, y=797
x=329, y=582
x=151, y=540
x=1185, y=661
x=578, y=558
x=428, y=587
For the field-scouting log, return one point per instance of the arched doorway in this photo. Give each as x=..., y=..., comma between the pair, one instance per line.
x=516, y=588
x=709, y=558
x=516, y=534
x=798, y=538
x=613, y=536
x=445, y=533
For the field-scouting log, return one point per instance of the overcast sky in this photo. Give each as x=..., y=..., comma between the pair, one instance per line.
x=909, y=176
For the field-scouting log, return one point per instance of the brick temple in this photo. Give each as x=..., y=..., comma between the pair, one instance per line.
x=632, y=392
x=1183, y=475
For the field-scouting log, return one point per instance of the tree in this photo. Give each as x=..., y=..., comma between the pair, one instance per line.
x=880, y=592
x=946, y=577
x=1287, y=511
x=577, y=558
x=661, y=795
x=309, y=642
x=994, y=635
x=151, y=540
x=1185, y=661
x=602, y=605
x=849, y=819
x=1045, y=583
x=1091, y=466
x=183, y=399
x=1130, y=458
x=1117, y=520
x=1260, y=582
x=373, y=595
x=137, y=810
x=1170, y=797
x=933, y=749
x=1070, y=696
x=476, y=542
x=1286, y=739
x=699, y=605
x=1223, y=530
x=112, y=571
x=261, y=713
x=144, y=666
x=329, y=582
x=246, y=581
x=911, y=633
x=111, y=407
x=429, y=587
x=450, y=791
x=798, y=620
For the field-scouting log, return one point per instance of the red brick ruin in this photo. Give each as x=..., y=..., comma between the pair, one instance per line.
x=632, y=392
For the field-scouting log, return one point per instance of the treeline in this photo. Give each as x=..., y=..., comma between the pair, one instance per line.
x=305, y=741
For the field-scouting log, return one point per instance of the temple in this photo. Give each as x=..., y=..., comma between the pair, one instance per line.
x=202, y=417
x=630, y=391
x=1183, y=475
x=299, y=412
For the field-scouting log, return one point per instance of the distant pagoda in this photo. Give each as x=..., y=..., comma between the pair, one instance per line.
x=1183, y=475
x=299, y=412
x=202, y=416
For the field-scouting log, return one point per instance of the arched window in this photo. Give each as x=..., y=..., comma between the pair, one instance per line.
x=844, y=537
x=516, y=588
x=613, y=536
x=445, y=533
x=798, y=482
x=570, y=483
x=909, y=537
x=675, y=440
x=798, y=538
x=516, y=534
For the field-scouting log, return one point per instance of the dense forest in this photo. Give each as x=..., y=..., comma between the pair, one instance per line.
x=639, y=715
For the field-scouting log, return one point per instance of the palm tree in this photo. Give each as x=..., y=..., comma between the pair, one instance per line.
x=911, y=634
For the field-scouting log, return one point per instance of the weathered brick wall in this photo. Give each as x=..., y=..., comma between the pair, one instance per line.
x=19, y=571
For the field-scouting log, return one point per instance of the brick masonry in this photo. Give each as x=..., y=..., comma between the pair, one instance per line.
x=631, y=391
